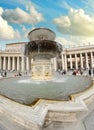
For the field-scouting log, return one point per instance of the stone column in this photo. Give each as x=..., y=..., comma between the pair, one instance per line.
x=4, y=63
x=18, y=64
x=62, y=62
x=81, y=59
x=9, y=63
x=65, y=59
x=13, y=63
x=71, y=62
x=23, y=63
x=30, y=63
x=76, y=62
x=52, y=62
x=55, y=64
x=27, y=63
x=92, y=60
x=0, y=63
x=86, y=56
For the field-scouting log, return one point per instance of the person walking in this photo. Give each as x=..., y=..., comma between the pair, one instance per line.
x=90, y=72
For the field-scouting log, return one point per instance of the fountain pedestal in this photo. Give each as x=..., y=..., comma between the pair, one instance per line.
x=41, y=49
x=41, y=70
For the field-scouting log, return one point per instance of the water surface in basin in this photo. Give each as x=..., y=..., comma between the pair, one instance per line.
x=26, y=91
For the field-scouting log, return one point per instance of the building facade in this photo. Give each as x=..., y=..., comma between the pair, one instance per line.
x=13, y=58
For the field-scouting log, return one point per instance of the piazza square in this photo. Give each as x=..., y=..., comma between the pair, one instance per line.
x=47, y=65
x=46, y=88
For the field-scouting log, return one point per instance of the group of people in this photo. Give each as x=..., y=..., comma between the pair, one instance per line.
x=89, y=72
x=3, y=73
x=77, y=72
x=61, y=72
x=18, y=74
x=86, y=72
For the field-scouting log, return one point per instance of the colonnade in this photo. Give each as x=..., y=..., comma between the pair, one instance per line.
x=67, y=61
x=78, y=60
x=18, y=63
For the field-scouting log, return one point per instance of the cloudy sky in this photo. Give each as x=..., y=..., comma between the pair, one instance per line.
x=71, y=20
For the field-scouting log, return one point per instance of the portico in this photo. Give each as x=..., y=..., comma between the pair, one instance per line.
x=82, y=58
x=71, y=58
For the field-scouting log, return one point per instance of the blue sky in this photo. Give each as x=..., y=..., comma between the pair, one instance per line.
x=71, y=20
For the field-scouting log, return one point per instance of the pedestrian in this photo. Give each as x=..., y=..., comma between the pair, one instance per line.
x=90, y=72
x=81, y=72
x=5, y=73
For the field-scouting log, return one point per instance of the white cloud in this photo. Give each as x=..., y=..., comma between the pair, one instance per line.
x=88, y=6
x=1, y=10
x=65, y=5
x=19, y=16
x=76, y=23
x=75, y=41
x=25, y=31
x=63, y=21
x=7, y=31
x=36, y=15
x=89, y=3
x=62, y=40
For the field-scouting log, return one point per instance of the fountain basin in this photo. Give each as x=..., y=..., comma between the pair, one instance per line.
x=42, y=47
x=41, y=33
x=27, y=91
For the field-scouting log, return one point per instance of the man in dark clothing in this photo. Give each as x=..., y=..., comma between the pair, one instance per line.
x=90, y=72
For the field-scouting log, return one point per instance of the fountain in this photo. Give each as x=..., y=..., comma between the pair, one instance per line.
x=44, y=82
x=42, y=48
x=43, y=100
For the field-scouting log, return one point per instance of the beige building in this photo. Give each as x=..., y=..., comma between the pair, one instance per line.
x=12, y=58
